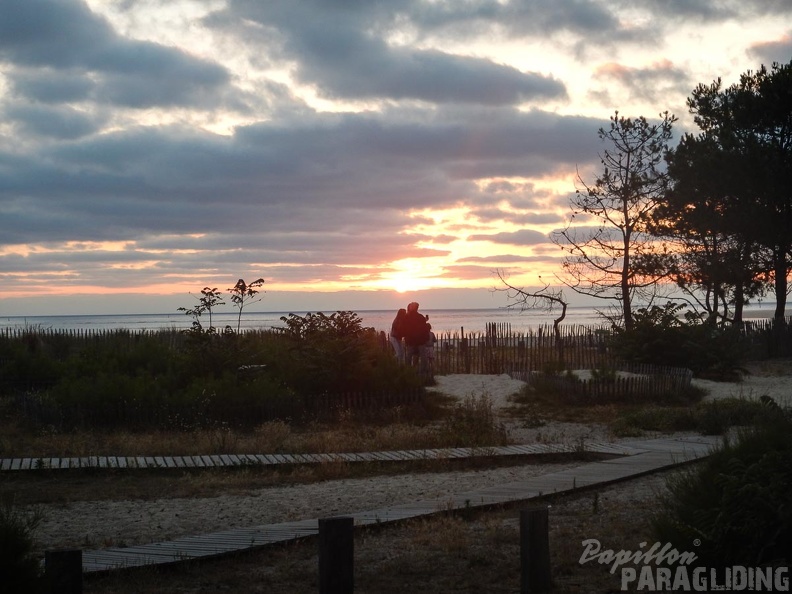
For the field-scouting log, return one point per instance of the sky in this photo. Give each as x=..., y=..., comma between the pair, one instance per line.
x=355, y=154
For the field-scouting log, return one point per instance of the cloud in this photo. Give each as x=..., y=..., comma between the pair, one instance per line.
x=58, y=122
x=708, y=11
x=646, y=83
x=773, y=51
x=521, y=237
x=41, y=36
x=346, y=55
x=272, y=176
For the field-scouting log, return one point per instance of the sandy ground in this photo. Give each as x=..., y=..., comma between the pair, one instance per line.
x=99, y=524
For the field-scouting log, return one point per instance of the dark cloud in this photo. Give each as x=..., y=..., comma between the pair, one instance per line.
x=521, y=237
x=175, y=180
x=501, y=258
x=773, y=51
x=61, y=122
x=709, y=11
x=647, y=83
x=345, y=53
x=67, y=36
x=47, y=85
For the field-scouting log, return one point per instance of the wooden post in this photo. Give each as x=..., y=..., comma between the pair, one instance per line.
x=534, y=551
x=63, y=571
x=336, y=555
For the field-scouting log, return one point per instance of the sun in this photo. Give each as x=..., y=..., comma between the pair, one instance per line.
x=411, y=274
x=404, y=283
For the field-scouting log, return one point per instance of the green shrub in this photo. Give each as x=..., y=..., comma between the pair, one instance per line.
x=709, y=418
x=737, y=502
x=20, y=570
x=320, y=353
x=664, y=336
x=197, y=378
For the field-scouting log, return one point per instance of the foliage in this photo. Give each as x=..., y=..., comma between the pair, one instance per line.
x=197, y=379
x=243, y=294
x=730, y=208
x=210, y=298
x=737, y=502
x=668, y=335
x=335, y=353
x=472, y=423
x=606, y=236
x=19, y=568
x=709, y=418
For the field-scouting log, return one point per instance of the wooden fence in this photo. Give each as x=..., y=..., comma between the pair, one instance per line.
x=114, y=413
x=500, y=350
x=624, y=382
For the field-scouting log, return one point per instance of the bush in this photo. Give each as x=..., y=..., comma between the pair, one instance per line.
x=663, y=336
x=473, y=423
x=197, y=378
x=19, y=569
x=321, y=354
x=737, y=502
x=708, y=418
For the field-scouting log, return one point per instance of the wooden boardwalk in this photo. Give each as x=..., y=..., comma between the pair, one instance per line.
x=228, y=460
x=634, y=459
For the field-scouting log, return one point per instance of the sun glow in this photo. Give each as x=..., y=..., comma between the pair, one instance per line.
x=413, y=274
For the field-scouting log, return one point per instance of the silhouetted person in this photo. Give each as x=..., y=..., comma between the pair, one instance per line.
x=397, y=334
x=416, y=334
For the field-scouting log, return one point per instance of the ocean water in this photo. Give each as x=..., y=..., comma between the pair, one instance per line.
x=442, y=320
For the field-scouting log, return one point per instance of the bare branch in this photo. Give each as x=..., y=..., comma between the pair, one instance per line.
x=545, y=299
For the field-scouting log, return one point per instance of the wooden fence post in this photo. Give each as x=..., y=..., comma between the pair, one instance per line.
x=336, y=555
x=63, y=571
x=534, y=551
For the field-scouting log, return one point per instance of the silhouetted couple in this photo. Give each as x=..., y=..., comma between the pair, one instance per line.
x=416, y=332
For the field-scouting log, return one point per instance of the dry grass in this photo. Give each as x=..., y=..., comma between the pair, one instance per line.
x=394, y=429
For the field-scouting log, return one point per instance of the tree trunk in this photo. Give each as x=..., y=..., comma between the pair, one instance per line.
x=739, y=303
x=625, y=274
x=781, y=268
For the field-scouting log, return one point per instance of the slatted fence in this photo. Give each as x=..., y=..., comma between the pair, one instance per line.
x=500, y=350
x=636, y=383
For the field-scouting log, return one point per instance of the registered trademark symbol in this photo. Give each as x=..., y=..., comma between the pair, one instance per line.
x=696, y=542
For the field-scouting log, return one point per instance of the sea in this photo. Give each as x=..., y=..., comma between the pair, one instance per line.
x=442, y=320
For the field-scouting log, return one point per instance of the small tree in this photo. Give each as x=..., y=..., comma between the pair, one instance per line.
x=544, y=299
x=243, y=294
x=210, y=298
x=602, y=258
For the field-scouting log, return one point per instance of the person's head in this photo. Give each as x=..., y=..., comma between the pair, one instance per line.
x=412, y=307
x=401, y=312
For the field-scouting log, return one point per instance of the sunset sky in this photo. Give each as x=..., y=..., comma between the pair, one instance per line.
x=149, y=148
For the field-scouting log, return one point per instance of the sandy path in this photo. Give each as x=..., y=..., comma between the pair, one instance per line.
x=97, y=524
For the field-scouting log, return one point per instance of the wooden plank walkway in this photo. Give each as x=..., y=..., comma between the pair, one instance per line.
x=225, y=460
x=638, y=458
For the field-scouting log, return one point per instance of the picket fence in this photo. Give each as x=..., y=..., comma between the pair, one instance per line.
x=36, y=408
x=500, y=350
